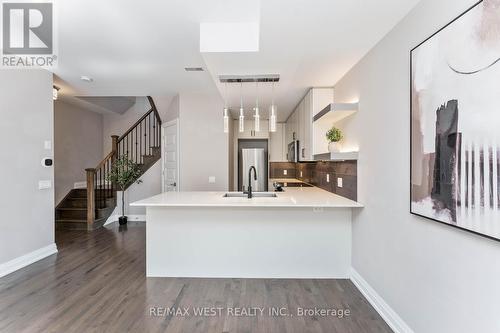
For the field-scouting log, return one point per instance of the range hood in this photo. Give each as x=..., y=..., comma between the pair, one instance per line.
x=336, y=111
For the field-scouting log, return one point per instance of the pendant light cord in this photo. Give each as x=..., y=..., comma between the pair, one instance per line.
x=272, y=101
x=225, y=95
x=257, y=95
x=241, y=95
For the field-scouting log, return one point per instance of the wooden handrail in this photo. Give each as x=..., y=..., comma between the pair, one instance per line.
x=108, y=157
x=135, y=125
x=153, y=109
x=153, y=106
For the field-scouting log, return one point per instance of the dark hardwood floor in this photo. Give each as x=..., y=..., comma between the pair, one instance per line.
x=97, y=283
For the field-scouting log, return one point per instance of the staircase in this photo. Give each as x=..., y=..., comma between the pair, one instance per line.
x=89, y=208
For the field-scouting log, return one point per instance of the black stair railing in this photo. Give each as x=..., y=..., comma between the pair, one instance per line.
x=142, y=137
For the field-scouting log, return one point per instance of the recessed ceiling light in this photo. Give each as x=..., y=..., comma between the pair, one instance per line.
x=193, y=69
x=86, y=78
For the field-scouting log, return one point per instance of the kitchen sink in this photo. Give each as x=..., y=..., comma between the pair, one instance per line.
x=254, y=195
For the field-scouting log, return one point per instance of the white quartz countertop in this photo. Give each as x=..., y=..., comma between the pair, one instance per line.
x=285, y=180
x=291, y=197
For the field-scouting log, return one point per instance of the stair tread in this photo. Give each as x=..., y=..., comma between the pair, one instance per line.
x=82, y=208
x=70, y=221
x=77, y=220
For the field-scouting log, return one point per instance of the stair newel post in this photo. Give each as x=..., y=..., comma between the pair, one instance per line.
x=114, y=146
x=90, y=196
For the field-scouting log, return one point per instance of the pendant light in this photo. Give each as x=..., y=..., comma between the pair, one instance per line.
x=272, y=115
x=242, y=116
x=257, y=116
x=226, y=116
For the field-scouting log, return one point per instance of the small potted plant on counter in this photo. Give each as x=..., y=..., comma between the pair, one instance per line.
x=334, y=135
x=123, y=173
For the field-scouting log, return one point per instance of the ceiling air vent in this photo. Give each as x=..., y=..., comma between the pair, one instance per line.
x=193, y=69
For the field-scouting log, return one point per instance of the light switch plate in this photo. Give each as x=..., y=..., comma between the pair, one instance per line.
x=285, y=172
x=301, y=174
x=327, y=177
x=211, y=179
x=44, y=184
x=47, y=145
x=339, y=182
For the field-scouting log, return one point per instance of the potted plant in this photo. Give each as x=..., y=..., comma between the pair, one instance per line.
x=334, y=135
x=124, y=172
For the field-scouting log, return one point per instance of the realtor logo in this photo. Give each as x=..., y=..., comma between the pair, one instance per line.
x=27, y=29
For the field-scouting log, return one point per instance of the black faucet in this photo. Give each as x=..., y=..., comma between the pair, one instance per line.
x=249, y=192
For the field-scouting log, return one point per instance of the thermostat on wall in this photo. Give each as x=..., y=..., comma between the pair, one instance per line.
x=47, y=162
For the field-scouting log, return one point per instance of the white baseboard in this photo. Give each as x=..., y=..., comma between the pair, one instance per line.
x=80, y=185
x=27, y=259
x=132, y=218
x=392, y=319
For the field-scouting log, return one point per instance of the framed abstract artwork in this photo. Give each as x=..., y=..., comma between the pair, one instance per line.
x=455, y=122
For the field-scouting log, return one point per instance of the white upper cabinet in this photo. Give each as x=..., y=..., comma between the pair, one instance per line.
x=250, y=132
x=300, y=122
x=278, y=144
x=264, y=130
x=291, y=127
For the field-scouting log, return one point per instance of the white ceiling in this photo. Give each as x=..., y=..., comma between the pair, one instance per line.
x=138, y=48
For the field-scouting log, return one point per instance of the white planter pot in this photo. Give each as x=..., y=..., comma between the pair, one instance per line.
x=334, y=147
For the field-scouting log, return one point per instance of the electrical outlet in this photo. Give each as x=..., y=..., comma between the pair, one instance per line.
x=301, y=174
x=339, y=182
x=285, y=172
x=318, y=210
x=44, y=184
x=211, y=179
x=327, y=177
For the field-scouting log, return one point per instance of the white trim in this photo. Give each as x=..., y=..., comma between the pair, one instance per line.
x=390, y=316
x=80, y=185
x=131, y=218
x=170, y=123
x=27, y=259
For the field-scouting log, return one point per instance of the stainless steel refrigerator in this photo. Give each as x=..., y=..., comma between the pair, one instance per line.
x=253, y=156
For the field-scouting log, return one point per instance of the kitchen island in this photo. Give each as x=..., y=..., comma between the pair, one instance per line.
x=300, y=233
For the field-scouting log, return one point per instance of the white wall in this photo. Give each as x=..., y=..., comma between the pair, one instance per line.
x=437, y=278
x=167, y=106
x=203, y=143
x=118, y=124
x=26, y=110
x=77, y=145
x=150, y=186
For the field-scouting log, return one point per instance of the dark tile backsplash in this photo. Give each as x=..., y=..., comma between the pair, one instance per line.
x=277, y=170
x=315, y=173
